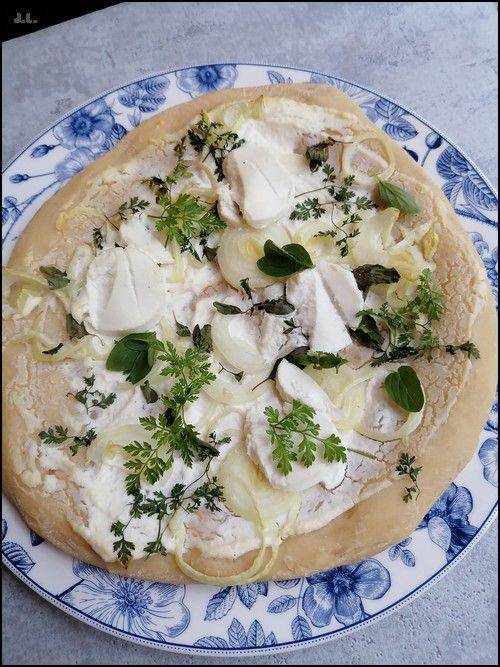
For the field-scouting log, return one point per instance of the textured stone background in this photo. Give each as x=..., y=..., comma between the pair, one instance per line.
x=440, y=59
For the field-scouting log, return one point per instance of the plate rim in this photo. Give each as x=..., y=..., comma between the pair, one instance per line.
x=295, y=644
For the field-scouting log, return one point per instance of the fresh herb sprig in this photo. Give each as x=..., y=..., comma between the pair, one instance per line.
x=90, y=397
x=405, y=467
x=409, y=328
x=132, y=206
x=217, y=141
x=295, y=436
x=58, y=435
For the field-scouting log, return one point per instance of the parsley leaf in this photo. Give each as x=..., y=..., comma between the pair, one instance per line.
x=134, y=205
x=405, y=467
x=58, y=435
x=217, y=141
x=90, y=397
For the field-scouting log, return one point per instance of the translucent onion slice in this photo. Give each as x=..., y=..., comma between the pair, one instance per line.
x=318, y=247
x=239, y=250
x=228, y=392
x=356, y=152
x=112, y=440
x=236, y=351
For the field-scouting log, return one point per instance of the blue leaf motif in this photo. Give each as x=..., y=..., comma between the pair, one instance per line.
x=17, y=556
x=35, y=539
x=452, y=189
x=155, y=84
x=211, y=642
x=221, y=603
x=237, y=635
x=301, y=628
x=248, y=593
x=408, y=558
x=288, y=583
x=439, y=532
x=478, y=193
x=388, y=110
x=256, y=636
x=281, y=604
x=271, y=639
x=401, y=130
x=488, y=455
x=394, y=552
x=451, y=164
x=275, y=77
x=4, y=529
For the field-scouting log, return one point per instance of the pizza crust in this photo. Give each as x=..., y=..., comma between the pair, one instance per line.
x=459, y=392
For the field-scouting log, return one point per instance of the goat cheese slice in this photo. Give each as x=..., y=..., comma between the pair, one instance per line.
x=123, y=291
x=260, y=185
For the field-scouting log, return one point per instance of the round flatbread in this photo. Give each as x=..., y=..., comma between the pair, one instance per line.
x=459, y=391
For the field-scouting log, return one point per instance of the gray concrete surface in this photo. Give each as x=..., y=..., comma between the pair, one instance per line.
x=440, y=59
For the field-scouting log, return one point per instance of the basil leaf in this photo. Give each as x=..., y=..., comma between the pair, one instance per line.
x=227, y=308
x=320, y=360
x=53, y=350
x=56, y=278
x=367, y=333
x=374, y=274
x=150, y=395
x=202, y=337
x=404, y=387
x=182, y=330
x=276, y=306
x=393, y=196
x=133, y=355
x=75, y=329
x=280, y=262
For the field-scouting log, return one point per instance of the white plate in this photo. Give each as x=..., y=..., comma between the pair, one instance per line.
x=256, y=618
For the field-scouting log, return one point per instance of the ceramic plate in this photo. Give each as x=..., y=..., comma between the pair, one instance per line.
x=281, y=615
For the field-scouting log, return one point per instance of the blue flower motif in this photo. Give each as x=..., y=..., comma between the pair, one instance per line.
x=87, y=128
x=74, y=163
x=239, y=638
x=448, y=523
x=199, y=80
x=490, y=260
x=399, y=551
x=488, y=455
x=142, y=608
x=42, y=150
x=338, y=592
x=223, y=601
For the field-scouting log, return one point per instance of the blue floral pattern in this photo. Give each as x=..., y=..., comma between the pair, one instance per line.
x=142, y=608
x=200, y=80
x=257, y=617
x=238, y=638
x=400, y=551
x=144, y=97
x=447, y=521
x=488, y=455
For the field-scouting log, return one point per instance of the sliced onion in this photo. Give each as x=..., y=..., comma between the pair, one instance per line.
x=239, y=250
x=236, y=351
x=348, y=157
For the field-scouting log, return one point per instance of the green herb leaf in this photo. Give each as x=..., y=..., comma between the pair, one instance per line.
x=182, y=330
x=404, y=387
x=56, y=278
x=470, y=348
x=396, y=197
x=244, y=282
x=405, y=467
x=53, y=350
x=318, y=154
x=368, y=333
x=227, y=308
x=97, y=238
x=134, y=205
x=202, y=337
x=320, y=360
x=374, y=274
x=281, y=262
x=133, y=355
x=92, y=398
x=278, y=306
x=75, y=329
x=150, y=395
x=215, y=139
